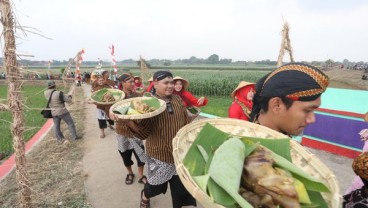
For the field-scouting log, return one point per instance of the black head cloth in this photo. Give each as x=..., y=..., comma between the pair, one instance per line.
x=296, y=81
x=160, y=75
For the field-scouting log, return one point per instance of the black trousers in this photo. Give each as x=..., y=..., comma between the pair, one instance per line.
x=102, y=123
x=127, y=157
x=179, y=195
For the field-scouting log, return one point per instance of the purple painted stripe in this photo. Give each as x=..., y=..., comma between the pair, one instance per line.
x=338, y=130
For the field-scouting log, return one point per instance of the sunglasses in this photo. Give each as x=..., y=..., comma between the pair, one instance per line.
x=169, y=107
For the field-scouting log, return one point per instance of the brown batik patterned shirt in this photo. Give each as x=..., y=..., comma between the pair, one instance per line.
x=160, y=130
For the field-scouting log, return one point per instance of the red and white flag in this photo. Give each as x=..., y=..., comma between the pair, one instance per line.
x=78, y=61
x=112, y=48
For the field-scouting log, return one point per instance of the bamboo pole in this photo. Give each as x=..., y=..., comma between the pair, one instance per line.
x=15, y=101
x=145, y=73
x=285, y=45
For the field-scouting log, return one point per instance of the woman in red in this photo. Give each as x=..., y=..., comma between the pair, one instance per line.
x=242, y=101
x=150, y=85
x=189, y=100
x=138, y=84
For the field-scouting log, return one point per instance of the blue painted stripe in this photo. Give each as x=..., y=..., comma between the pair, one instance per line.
x=345, y=100
x=208, y=115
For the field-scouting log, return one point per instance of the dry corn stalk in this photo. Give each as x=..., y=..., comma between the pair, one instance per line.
x=285, y=45
x=15, y=103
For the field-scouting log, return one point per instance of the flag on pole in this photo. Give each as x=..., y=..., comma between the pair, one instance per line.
x=112, y=48
x=78, y=61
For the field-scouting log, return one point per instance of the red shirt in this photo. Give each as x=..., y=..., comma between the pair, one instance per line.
x=236, y=111
x=189, y=99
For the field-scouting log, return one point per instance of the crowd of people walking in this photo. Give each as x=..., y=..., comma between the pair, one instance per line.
x=283, y=100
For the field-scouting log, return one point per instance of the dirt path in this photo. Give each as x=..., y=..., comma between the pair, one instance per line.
x=105, y=172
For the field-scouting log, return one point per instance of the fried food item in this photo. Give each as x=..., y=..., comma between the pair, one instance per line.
x=108, y=97
x=260, y=177
x=141, y=107
x=257, y=200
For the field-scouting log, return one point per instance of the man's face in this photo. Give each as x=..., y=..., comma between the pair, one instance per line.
x=164, y=87
x=292, y=121
x=100, y=81
x=128, y=84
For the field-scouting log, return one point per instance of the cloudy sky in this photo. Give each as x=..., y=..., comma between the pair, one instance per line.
x=238, y=29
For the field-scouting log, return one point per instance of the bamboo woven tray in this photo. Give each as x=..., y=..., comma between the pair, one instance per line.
x=125, y=103
x=300, y=156
x=117, y=98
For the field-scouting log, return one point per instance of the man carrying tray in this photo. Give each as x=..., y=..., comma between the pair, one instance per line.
x=286, y=98
x=159, y=132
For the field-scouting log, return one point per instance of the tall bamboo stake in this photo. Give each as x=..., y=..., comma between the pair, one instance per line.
x=15, y=101
x=145, y=72
x=285, y=45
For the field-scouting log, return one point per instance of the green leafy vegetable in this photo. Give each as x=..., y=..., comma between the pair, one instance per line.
x=99, y=94
x=192, y=110
x=153, y=102
x=209, y=138
x=278, y=146
x=228, y=161
x=121, y=110
x=310, y=182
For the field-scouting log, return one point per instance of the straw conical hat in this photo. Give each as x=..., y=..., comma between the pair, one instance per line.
x=138, y=77
x=185, y=82
x=240, y=85
x=150, y=79
x=366, y=117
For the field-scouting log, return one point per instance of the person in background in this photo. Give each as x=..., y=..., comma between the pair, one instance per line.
x=286, y=98
x=150, y=88
x=159, y=132
x=242, y=101
x=59, y=111
x=180, y=85
x=138, y=84
x=88, y=78
x=359, y=197
x=128, y=144
x=107, y=81
x=78, y=79
x=102, y=110
x=357, y=182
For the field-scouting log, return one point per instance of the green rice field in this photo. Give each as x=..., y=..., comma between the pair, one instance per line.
x=34, y=98
x=215, y=84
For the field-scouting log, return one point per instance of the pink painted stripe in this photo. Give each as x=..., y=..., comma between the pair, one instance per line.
x=7, y=166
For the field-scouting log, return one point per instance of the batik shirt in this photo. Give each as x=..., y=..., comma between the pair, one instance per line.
x=356, y=199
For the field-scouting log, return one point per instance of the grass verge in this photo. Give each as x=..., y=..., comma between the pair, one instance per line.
x=55, y=171
x=217, y=106
x=33, y=98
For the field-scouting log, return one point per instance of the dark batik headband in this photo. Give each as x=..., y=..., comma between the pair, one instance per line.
x=296, y=81
x=160, y=75
x=125, y=77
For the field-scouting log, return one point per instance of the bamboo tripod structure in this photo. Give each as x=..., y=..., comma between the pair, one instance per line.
x=285, y=45
x=15, y=103
x=145, y=73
